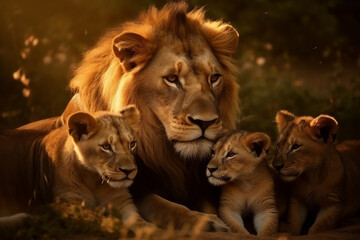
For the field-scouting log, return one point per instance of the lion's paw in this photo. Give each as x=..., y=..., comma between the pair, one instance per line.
x=15, y=221
x=211, y=223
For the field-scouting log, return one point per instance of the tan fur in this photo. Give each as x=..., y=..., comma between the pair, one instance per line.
x=86, y=169
x=177, y=68
x=90, y=159
x=239, y=166
x=324, y=177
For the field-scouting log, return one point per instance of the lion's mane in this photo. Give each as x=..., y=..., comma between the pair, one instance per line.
x=103, y=84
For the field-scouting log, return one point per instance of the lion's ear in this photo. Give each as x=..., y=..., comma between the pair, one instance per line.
x=131, y=116
x=80, y=123
x=223, y=38
x=258, y=144
x=283, y=118
x=132, y=50
x=324, y=127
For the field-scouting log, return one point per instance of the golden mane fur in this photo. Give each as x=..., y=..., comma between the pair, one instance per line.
x=99, y=72
x=104, y=84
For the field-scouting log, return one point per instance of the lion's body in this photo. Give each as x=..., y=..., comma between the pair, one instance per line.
x=23, y=165
x=239, y=166
x=324, y=177
x=90, y=160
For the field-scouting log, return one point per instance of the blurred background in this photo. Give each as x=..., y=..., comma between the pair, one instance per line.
x=303, y=56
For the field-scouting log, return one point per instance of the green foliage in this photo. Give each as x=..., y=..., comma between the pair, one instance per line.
x=263, y=93
x=265, y=90
x=345, y=103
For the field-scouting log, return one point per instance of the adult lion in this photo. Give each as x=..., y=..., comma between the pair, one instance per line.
x=177, y=68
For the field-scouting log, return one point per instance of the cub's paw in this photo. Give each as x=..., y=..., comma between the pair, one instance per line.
x=210, y=223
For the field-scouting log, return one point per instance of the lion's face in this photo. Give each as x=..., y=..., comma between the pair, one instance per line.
x=235, y=155
x=184, y=93
x=105, y=144
x=177, y=68
x=302, y=144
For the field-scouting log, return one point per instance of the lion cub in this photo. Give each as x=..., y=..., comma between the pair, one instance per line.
x=324, y=177
x=89, y=159
x=94, y=162
x=238, y=165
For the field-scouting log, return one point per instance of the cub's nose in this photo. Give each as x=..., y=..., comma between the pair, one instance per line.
x=211, y=170
x=126, y=171
x=278, y=166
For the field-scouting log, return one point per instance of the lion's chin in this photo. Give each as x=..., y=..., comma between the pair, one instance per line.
x=120, y=184
x=199, y=148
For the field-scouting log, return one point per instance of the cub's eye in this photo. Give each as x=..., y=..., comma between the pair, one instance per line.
x=295, y=147
x=212, y=152
x=132, y=145
x=172, y=80
x=214, y=79
x=230, y=154
x=106, y=147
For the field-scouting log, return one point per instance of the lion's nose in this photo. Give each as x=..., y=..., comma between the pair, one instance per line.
x=126, y=171
x=211, y=170
x=203, y=124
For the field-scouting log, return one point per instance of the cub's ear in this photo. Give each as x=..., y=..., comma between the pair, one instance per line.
x=80, y=123
x=258, y=144
x=283, y=118
x=223, y=38
x=324, y=127
x=132, y=50
x=131, y=116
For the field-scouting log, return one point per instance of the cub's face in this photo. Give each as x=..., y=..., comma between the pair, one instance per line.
x=235, y=155
x=105, y=143
x=295, y=153
x=302, y=143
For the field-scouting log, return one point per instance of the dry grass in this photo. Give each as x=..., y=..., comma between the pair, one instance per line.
x=72, y=221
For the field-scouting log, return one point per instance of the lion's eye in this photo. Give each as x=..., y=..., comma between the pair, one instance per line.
x=230, y=154
x=212, y=152
x=172, y=80
x=132, y=145
x=214, y=79
x=295, y=147
x=106, y=147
